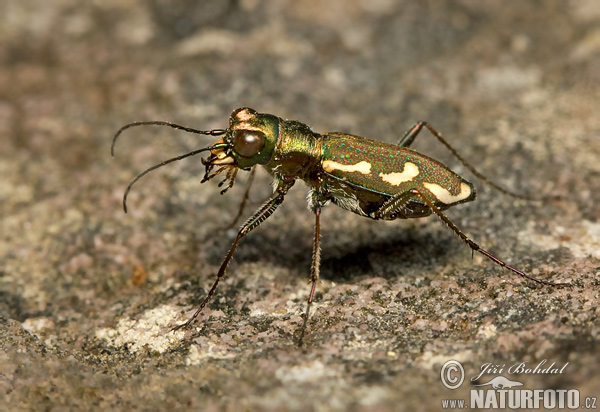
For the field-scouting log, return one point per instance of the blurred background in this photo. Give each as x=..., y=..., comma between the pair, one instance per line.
x=87, y=293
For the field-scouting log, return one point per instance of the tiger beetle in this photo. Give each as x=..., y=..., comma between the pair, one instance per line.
x=376, y=180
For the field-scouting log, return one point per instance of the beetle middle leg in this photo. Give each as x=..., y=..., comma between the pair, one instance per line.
x=314, y=270
x=254, y=221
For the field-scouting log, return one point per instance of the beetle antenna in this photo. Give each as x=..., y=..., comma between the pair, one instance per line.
x=163, y=163
x=214, y=132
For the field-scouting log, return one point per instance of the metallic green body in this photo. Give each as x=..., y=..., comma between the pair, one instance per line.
x=372, y=179
x=372, y=190
x=355, y=173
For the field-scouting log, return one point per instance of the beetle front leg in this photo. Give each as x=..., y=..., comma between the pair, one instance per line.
x=244, y=199
x=259, y=216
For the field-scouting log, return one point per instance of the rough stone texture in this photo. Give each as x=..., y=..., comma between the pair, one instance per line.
x=88, y=293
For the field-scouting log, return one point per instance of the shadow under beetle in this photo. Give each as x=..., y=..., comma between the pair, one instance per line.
x=377, y=180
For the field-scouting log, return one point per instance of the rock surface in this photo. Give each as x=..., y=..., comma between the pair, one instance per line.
x=88, y=294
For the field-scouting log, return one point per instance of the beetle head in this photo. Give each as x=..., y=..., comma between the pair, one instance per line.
x=250, y=140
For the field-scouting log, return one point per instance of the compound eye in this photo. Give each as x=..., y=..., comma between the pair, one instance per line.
x=248, y=143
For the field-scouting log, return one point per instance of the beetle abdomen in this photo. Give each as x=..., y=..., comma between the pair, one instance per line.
x=390, y=170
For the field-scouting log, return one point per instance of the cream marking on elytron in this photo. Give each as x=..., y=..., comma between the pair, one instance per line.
x=444, y=196
x=410, y=171
x=360, y=167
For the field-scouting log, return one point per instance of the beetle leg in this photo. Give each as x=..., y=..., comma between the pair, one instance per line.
x=314, y=269
x=257, y=218
x=412, y=133
x=244, y=199
x=392, y=207
x=429, y=201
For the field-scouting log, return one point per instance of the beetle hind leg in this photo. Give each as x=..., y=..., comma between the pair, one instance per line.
x=411, y=134
x=414, y=131
x=393, y=207
x=429, y=201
